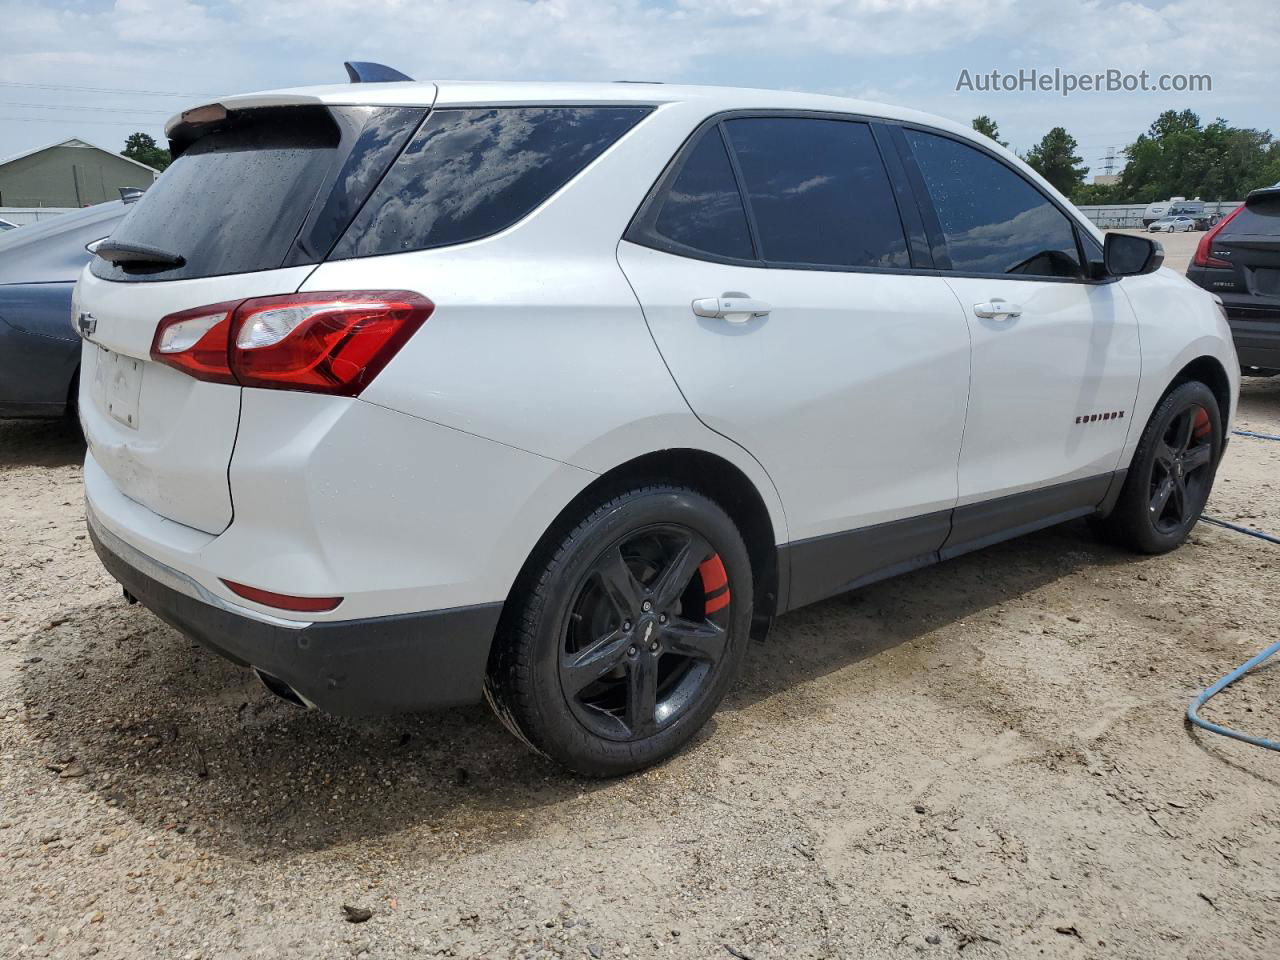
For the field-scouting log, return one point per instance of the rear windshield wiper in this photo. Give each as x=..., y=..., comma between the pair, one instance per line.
x=137, y=255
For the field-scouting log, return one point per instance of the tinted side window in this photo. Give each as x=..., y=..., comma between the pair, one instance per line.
x=703, y=209
x=993, y=220
x=469, y=173
x=819, y=192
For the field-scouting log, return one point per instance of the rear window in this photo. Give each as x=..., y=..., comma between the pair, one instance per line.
x=468, y=173
x=241, y=198
x=1259, y=219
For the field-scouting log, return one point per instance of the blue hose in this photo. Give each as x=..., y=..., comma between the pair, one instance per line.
x=1204, y=697
x=1221, y=685
x=1256, y=436
x=1236, y=527
x=1261, y=535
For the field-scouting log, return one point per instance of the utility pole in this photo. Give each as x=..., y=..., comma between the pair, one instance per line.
x=1109, y=161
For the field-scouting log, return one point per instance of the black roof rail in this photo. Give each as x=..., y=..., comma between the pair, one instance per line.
x=362, y=71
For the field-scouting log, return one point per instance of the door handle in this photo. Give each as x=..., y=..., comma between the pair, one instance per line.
x=734, y=307
x=997, y=309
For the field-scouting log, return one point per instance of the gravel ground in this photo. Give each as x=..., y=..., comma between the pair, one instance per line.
x=989, y=756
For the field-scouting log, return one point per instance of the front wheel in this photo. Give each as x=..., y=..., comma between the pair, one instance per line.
x=623, y=641
x=1172, y=472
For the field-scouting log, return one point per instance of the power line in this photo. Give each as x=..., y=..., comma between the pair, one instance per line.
x=82, y=108
x=72, y=122
x=63, y=86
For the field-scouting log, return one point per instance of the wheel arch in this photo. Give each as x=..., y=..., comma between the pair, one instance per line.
x=1209, y=371
x=712, y=475
x=1200, y=361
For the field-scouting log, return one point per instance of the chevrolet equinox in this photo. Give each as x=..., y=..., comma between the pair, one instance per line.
x=406, y=394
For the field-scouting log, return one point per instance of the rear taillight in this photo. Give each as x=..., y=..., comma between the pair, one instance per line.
x=1202, y=258
x=197, y=342
x=333, y=342
x=322, y=342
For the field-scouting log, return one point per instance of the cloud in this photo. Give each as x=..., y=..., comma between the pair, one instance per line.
x=906, y=51
x=163, y=22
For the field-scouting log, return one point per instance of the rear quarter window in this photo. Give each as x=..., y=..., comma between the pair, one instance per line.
x=702, y=212
x=469, y=173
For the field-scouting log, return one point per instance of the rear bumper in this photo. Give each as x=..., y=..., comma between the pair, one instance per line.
x=378, y=665
x=1256, y=333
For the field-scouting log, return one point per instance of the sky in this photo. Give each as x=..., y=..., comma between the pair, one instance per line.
x=101, y=69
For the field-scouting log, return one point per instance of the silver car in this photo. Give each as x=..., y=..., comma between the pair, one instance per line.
x=1172, y=225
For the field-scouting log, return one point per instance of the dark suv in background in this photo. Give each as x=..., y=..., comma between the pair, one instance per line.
x=1239, y=260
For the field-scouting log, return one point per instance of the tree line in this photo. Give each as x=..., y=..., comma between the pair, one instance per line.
x=1178, y=156
x=143, y=148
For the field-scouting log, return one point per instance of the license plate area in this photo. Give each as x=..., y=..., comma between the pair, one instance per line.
x=1266, y=282
x=117, y=384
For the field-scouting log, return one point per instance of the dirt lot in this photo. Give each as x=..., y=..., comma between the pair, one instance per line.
x=987, y=757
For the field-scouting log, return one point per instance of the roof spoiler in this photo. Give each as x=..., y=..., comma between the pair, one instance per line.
x=1262, y=194
x=362, y=71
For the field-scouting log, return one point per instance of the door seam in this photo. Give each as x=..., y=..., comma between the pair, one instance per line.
x=968, y=406
x=649, y=329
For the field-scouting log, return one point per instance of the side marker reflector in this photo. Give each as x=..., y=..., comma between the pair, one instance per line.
x=283, y=601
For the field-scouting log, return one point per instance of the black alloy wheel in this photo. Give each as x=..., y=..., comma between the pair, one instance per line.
x=645, y=633
x=1182, y=470
x=1172, y=472
x=622, y=635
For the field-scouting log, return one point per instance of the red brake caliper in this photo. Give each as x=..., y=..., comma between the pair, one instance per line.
x=715, y=584
x=1202, y=427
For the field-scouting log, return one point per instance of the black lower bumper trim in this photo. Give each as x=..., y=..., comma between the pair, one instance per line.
x=1257, y=337
x=391, y=664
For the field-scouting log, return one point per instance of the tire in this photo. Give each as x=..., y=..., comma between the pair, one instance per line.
x=1171, y=474
x=71, y=412
x=584, y=672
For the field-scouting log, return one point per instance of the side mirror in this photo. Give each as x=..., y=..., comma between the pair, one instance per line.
x=1124, y=255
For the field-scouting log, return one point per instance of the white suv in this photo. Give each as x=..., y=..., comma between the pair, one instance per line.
x=406, y=393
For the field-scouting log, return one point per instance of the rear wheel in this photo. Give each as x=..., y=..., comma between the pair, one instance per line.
x=1172, y=472
x=627, y=636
